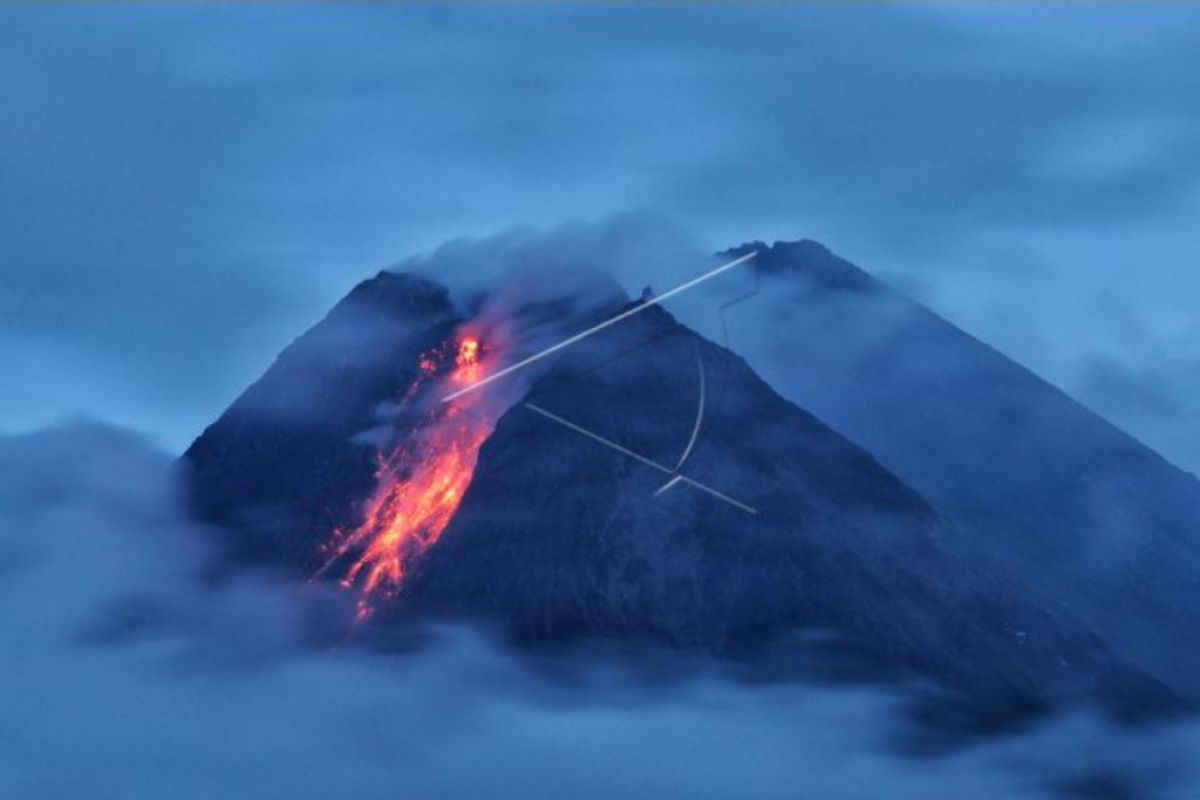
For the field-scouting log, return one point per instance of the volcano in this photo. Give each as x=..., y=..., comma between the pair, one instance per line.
x=771, y=533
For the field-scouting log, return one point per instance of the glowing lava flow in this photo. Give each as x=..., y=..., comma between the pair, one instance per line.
x=419, y=483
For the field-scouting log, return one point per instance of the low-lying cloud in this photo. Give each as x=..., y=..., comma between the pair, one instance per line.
x=131, y=671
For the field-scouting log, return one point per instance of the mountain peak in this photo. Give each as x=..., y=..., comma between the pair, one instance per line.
x=810, y=259
x=408, y=293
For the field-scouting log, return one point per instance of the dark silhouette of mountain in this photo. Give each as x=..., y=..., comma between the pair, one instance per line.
x=281, y=465
x=1044, y=486
x=560, y=539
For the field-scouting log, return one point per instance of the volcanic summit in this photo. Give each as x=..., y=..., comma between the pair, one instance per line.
x=552, y=504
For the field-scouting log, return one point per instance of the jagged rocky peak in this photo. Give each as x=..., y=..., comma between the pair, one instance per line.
x=808, y=259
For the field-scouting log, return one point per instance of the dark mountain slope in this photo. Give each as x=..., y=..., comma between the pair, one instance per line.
x=559, y=537
x=282, y=464
x=1063, y=498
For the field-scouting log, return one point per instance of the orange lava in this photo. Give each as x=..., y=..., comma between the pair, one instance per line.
x=419, y=483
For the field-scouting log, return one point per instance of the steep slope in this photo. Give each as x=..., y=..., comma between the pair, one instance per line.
x=1063, y=498
x=296, y=455
x=284, y=464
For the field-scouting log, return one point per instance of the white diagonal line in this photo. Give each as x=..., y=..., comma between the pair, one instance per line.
x=674, y=480
x=639, y=457
x=554, y=348
x=597, y=437
x=718, y=495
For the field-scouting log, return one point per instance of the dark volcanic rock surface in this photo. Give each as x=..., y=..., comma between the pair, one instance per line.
x=1043, y=485
x=559, y=537
x=283, y=465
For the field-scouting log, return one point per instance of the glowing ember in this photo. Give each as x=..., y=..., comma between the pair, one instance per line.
x=420, y=482
x=468, y=368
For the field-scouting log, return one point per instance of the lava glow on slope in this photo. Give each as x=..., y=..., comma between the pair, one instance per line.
x=420, y=482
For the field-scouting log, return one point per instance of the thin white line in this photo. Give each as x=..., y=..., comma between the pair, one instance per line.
x=687, y=451
x=668, y=485
x=597, y=328
x=597, y=437
x=717, y=494
x=648, y=462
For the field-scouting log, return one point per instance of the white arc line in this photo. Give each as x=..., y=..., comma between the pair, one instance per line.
x=668, y=485
x=554, y=348
x=677, y=477
x=687, y=451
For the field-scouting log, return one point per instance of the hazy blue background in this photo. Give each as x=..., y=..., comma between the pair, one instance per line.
x=186, y=188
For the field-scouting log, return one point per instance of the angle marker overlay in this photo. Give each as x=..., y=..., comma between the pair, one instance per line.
x=554, y=348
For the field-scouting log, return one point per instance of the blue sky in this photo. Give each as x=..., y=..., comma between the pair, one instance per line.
x=186, y=188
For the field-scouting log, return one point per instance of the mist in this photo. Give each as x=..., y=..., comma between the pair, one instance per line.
x=130, y=673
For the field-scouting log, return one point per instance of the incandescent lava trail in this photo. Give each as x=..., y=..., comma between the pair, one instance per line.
x=421, y=480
